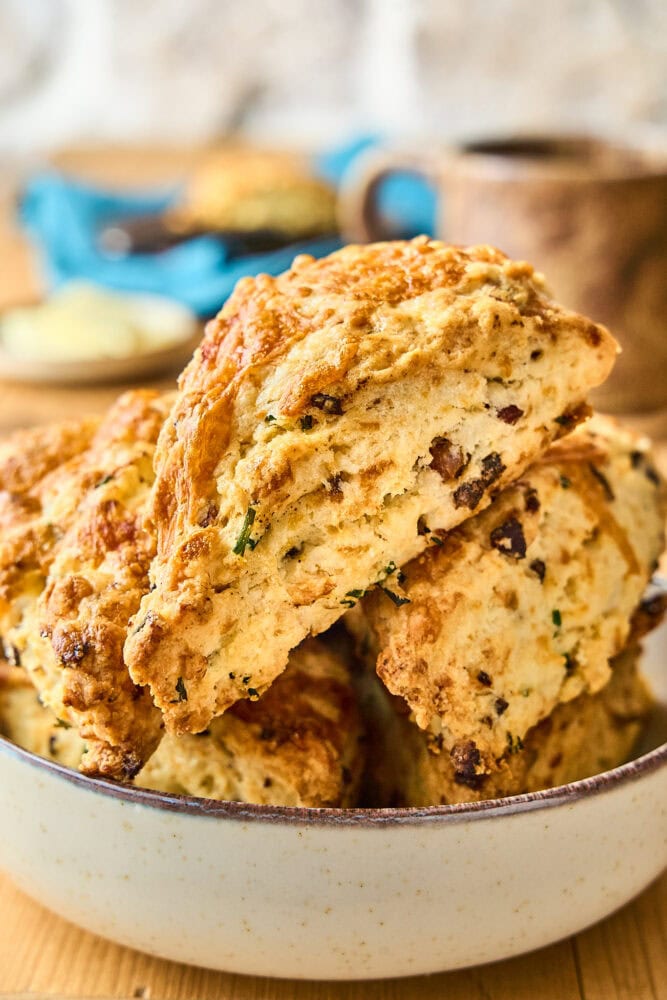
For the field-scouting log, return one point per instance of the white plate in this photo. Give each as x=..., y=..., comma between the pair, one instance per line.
x=328, y=894
x=157, y=312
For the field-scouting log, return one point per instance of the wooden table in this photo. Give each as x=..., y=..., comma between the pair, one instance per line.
x=623, y=958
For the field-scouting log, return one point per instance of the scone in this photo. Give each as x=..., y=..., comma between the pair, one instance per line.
x=26, y=459
x=331, y=421
x=74, y=560
x=300, y=745
x=522, y=607
x=241, y=190
x=586, y=736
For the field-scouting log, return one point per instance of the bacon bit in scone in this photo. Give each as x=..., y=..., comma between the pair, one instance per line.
x=208, y=516
x=571, y=418
x=70, y=648
x=509, y=414
x=532, y=501
x=466, y=759
x=492, y=468
x=469, y=494
x=334, y=488
x=329, y=404
x=447, y=459
x=603, y=481
x=509, y=539
x=484, y=678
x=539, y=569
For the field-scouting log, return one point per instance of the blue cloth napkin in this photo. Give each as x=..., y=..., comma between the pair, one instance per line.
x=64, y=217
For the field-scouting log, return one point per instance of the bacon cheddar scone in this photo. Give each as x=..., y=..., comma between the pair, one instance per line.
x=330, y=416
x=586, y=736
x=74, y=563
x=523, y=606
x=301, y=744
x=241, y=190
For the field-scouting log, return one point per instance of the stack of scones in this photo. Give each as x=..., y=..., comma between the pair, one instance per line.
x=374, y=550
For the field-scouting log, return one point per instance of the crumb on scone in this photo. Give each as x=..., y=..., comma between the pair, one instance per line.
x=333, y=420
x=522, y=607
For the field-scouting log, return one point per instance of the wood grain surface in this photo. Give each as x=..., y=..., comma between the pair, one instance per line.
x=622, y=958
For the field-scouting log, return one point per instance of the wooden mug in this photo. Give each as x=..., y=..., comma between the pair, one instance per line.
x=591, y=214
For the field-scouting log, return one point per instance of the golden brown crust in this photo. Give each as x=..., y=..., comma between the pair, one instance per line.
x=296, y=463
x=72, y=575
x=523, y=606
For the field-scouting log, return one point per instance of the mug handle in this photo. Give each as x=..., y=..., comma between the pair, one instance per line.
x=359, y=217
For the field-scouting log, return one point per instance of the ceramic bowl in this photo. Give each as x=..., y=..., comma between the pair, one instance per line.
x=329, y=894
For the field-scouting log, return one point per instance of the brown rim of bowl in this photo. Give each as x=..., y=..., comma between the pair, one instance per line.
x=358, y=817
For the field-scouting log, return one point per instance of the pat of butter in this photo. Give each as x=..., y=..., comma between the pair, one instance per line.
x=85, y=322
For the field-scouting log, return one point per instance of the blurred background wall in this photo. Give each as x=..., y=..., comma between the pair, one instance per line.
x=315, y=71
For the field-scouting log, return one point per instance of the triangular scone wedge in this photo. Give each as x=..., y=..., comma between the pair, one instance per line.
x=73, y=567
x=585, y=736
x=523, y=606
x=330, y=420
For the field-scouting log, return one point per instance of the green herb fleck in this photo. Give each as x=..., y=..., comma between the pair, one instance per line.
x=514, y=744
x=525, y=692
x=352, y=597
x=570, y=663
x=556, y=618
x=436, y=541
x=306, y=423
x=269, y=418
x=391, y=568
x=253, y=694
x=61, y=724
x=180, y=690
x=232, y=676
x=565, y=482
x=244, y=538
x=395, y=598
x=104, y=481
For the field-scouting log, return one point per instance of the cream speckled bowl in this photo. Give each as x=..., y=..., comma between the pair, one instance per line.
x=328, y=894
